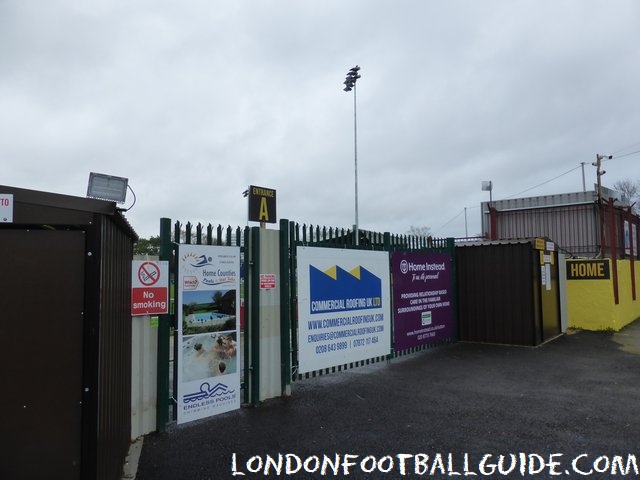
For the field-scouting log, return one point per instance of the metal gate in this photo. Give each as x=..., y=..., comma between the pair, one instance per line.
x=189, y=234
x=289, y=236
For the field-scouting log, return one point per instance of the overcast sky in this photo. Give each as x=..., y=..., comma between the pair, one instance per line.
x=193, y=101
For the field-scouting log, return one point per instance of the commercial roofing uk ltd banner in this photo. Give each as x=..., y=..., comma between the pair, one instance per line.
x=208, y=331
x=343, y=306
x=422, y=298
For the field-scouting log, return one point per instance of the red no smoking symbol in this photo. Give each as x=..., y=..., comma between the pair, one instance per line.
x=148, y=274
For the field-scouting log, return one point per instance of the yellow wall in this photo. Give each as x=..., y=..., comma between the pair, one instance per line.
x=591, y=303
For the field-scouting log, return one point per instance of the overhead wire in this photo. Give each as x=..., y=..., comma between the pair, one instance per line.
x=454, y=217
x=626, y=148
x=448, y=222
x=523, y=191
x=544, y=183
x=613, y=156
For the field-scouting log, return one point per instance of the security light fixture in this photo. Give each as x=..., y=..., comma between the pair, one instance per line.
x=487, y=186
x=107, y=187
x=600, y=172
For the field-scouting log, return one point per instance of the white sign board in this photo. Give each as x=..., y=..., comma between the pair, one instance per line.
x=344, y=307
x=6, y=208
x=208, y=331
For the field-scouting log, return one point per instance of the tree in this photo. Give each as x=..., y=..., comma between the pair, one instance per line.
x=419, y=231
x=630, y=191
x=216, y=297
x=147, y=246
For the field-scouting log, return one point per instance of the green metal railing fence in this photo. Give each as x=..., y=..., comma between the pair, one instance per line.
x=291, y=235
x=309, y=235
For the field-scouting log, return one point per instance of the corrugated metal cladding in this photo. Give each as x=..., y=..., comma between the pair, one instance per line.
x=575, y=221
x=528, y=203
x=546, y=200
x=500, y=299
x=103, y=257
x=114, y=372
x=575, y=228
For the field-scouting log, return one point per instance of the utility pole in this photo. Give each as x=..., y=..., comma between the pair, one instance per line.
x=584, y=184
x=466, y=230
x=599, y=172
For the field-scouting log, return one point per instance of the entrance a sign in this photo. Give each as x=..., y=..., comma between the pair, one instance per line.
x=149, y=287
x=262, y=204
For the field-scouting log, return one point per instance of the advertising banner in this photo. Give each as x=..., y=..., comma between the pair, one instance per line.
x=208, y=331
x=343, y=306
x=422, y=298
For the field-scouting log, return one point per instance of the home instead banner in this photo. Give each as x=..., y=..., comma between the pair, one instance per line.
x=422, y=298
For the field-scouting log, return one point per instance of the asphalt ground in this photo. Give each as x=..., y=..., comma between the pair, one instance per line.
x=569, y=408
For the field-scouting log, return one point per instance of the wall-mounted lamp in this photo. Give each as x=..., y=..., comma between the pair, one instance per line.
x=107, y=187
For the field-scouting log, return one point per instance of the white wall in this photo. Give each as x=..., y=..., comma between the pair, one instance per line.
x=270, y=363
x=144, y=352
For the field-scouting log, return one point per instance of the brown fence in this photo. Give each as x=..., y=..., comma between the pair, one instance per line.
x=506, y=295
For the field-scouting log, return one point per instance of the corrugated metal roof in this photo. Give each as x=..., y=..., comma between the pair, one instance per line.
x=560, y=199
x=486, y=243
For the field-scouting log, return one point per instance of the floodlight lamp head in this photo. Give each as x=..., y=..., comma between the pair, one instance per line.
x=107, y=187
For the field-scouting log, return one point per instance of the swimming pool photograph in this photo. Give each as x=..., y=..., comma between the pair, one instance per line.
x=208, y=311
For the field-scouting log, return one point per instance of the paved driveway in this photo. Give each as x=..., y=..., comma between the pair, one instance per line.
x=569, y=407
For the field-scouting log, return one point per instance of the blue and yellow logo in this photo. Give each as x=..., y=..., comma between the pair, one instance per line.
x=338, y=290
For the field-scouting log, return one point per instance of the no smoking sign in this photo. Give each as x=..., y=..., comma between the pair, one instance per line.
x=149, y=273
x=149, y=287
